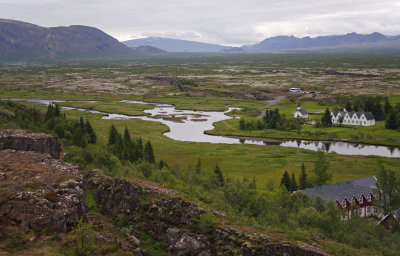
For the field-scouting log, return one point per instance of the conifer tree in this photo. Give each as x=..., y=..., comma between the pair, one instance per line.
x=128, y=153
x=81, y=124
x=139, y=148
x=285, y=181
x=127, y=136
x=220, y=176
x=119, y=147
x=321, y=166
x=148, y=153
x=50, y=112
x=348, y=106
x=378, y=111
x=391, y=121
x=326, y=120
x=112, y=135
x=387, y=108
x=293, y=183
x=57, y=112
x=90, y=132
x=303, y=177
x=78, y=138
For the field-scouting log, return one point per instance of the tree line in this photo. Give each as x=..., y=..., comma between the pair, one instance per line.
x=321, y=175
x=126, y=148
x=272, y=120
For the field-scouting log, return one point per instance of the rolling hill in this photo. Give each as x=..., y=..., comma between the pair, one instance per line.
x=20, y=40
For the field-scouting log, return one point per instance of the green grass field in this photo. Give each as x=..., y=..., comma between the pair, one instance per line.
x=376, y=134
x=262, y=162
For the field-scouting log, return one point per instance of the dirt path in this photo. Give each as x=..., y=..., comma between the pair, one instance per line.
x=230, y=126
x=270, y=103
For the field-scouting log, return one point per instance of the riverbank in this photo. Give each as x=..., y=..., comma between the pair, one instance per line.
x=372, y=135
x=184, y=125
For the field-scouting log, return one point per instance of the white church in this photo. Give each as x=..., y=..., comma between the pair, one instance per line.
x=353, y=118
x=300, y=113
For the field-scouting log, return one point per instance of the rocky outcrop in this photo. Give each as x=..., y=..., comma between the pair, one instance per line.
x=170, y=219
x=151, y=208
x=247, y=241
x=37, y=142
x=38, y=192
x=183, y=243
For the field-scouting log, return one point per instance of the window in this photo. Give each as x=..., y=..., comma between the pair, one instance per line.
x=368, y=209
x=360, y=212
x=375, y=210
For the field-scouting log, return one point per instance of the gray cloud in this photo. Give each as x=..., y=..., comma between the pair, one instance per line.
x=232, y=22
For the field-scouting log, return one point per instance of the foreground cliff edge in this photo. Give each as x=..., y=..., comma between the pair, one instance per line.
x=48, y=206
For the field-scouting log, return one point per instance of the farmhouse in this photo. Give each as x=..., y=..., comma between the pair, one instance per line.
x=357, y=197
x=300, y=113
x=353, y=118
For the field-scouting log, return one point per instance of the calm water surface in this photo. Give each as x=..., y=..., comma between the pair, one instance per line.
x=189, y=125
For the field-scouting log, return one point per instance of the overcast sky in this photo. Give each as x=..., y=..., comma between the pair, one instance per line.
x=229, y=22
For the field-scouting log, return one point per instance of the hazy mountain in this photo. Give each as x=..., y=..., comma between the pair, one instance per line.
x=150, y=50
x=175, y=45
x=291, y=42
x=22, y=40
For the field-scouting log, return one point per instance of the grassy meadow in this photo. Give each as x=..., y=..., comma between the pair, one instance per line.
x=262, y=162
x=211, y=82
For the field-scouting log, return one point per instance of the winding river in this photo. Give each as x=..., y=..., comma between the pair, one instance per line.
x=189, y=125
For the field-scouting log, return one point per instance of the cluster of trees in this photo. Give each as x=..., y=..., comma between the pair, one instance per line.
x=322, y=175
x=291, y=184
x=380, y=108
x=125, y=148
x=272, y=120
x=296, y=214
x=389, y=186
x=393, y=118
x=79, y=133
x=370, y=104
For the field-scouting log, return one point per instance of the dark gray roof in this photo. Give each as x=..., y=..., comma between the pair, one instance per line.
x=359, y=114
x=348, y=189
x=351, y=113
x=303, y=112
x=335, y=113
x=369, y=115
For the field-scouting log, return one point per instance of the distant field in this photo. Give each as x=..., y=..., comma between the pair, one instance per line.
x=262, y=162
x=212, y=81
x=376, y=134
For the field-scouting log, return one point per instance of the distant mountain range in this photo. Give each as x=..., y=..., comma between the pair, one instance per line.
x=278, y=43
x=175, y=45
x=20, y=40
x=25, y=41
x=291, y=42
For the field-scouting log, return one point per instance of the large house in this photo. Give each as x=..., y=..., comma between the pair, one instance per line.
x=353, y=118
x=300, y=113
x=357, y=197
